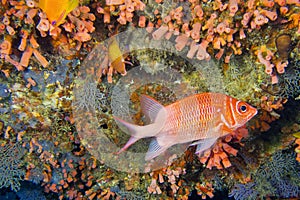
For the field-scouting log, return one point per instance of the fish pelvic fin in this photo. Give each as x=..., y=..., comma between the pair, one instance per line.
x=203, y=144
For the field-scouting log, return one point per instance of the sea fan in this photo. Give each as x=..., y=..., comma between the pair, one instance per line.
x=10, y=172
x=244, y=192
x=279, y=177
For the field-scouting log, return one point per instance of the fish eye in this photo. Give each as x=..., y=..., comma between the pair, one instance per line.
x=243, y=108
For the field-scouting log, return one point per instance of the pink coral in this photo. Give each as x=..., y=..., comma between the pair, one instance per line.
x=218, y=155
x=272, y=15
x=213, y=25
x=160, y=32
x=202, y=54
x=280, y=66
x=28, y=45
x=268, y=65
x=126, y=7
x=181, y=41
x=195, y=33
x=233, y=7
x=204, y=189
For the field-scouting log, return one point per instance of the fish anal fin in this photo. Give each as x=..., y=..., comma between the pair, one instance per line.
x=154, y=150
x=152, y=109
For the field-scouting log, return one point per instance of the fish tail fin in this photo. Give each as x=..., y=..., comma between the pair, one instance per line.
x=154, y=111
x=155, y=150
x=131, y=141
x=157, y=115
x=137, y=132
x=140, y=131
x=132, y=129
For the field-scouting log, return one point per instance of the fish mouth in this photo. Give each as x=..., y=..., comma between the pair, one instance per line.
x=255, y=112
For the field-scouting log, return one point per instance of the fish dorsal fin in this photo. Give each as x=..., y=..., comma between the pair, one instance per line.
x=152, y=109
x=154, y=150
x=204, y=144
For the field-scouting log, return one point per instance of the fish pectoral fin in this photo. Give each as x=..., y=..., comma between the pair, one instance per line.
x=205, y=144
x=196, y=142
x=226, y=130
x=154, y=150
x=152, y=109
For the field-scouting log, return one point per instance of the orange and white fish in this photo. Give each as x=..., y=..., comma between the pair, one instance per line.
x=200, y=118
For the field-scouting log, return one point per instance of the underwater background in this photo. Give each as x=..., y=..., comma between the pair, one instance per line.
x=68, y=67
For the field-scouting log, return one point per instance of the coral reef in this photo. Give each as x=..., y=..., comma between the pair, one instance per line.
x=20, y=14
x=49, y=74
x=244, y=191
x=220, y=22
x=30, y=192
x=221, y=150
x=289, y=82
x=20, y=20
x=298, y=149
x=11, y=171
x=89, y=97
x=278, y=176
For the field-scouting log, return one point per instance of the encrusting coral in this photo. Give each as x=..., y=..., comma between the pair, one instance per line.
x=219, y=29
x=256, y=41
x=79, y=24
x=20, y=14
x=218, y=155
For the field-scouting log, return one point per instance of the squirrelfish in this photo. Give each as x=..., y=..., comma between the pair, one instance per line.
x=198, y=119
x=57, y=10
